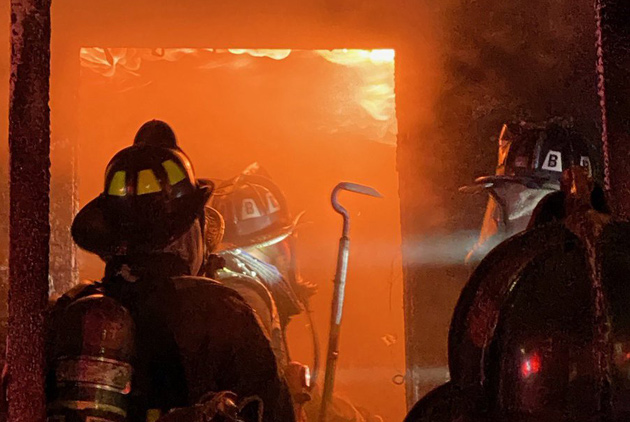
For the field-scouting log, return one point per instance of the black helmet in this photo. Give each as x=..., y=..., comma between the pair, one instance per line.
x=254, y=209
x=156, y=133
x=151, y=197
x=536, y=155
x=531, y=161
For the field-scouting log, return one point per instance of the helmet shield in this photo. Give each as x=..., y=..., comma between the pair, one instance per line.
x=531, y=160
x=508, y=212
x=540, y=153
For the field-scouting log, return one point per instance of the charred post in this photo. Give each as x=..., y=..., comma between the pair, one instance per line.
x=613, y=68
x=29, y=152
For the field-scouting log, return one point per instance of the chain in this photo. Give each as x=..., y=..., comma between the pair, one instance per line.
x=601, y=91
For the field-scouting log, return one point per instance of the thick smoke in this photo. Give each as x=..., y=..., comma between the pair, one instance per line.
x=521, y=60
x=500, y=61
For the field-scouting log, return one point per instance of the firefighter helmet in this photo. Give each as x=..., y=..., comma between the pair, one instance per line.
x=531, y=161
x=159, y=133
x=254, y=209
x=151, y=197
x=536, y=155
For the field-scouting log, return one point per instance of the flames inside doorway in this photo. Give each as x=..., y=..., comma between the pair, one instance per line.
x=311, y=118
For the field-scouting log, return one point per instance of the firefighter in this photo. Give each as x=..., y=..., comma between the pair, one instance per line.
x=257, y=258
x=260, y=283
x=259, y=263
x=197, y=346
x=258, y=238
x=541, y=331
x=259, y=245
x=531, y=161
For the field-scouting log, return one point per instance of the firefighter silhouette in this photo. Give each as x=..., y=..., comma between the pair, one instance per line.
x=258, y=227
x=541, y=331
x=531, y=160
x=193, y=337
x=257, y=258
x=255, y=218
x=252, y=212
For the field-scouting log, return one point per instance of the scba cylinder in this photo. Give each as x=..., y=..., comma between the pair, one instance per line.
x=91, y=374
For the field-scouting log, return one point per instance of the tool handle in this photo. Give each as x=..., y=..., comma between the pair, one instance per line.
x=335, y=325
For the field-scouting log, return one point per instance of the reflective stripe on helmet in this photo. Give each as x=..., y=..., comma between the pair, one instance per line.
x=249, y=209
x=117, y=187
x=553, y=161
x=147, y=182
x=174, y=172
x=272, y=203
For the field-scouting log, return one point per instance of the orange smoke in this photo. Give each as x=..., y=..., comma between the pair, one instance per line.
x=312, y=119
x=374, y=85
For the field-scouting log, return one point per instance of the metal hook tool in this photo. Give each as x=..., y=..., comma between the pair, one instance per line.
x=339, y=292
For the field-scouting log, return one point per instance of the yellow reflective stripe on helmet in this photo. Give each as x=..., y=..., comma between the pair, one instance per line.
x=118, y=185
x=174, y=172
x=147, y=183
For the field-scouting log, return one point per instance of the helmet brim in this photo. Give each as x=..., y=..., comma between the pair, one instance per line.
x=484, y=183
x=95, y=231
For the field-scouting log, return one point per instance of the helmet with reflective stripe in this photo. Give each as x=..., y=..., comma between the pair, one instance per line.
x=536, y=155
x=145, y=170
x=150, y=198
x=531, y=161
x=254, y=209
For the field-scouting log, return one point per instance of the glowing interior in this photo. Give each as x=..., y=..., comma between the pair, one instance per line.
x=311, y=118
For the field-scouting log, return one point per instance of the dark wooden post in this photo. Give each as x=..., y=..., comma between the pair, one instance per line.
x=613, y=67
x=29, y=152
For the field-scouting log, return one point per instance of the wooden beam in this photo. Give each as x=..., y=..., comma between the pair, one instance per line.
x=29, y=154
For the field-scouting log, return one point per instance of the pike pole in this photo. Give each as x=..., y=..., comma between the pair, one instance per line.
x=339, y=292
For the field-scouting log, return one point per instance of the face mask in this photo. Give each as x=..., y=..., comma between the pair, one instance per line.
x=508, y=212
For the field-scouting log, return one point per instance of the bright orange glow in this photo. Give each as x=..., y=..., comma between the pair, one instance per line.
x=311, y=119
x=107, y=61
x=384, y=55
x=358, y=57
x=272, y=54
x=341, y=56
x=373, y=86
x=375, y=67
